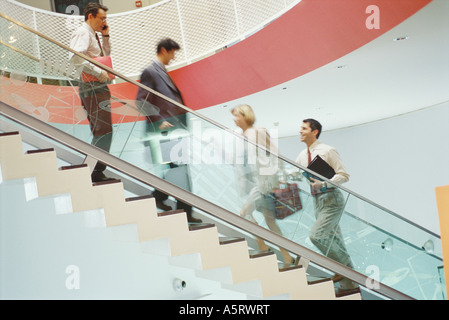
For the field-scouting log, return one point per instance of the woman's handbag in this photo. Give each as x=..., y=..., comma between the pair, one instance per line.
x=287, y=200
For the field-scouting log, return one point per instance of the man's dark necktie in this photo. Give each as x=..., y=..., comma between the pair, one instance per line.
x=312, y=191
x=99, y=43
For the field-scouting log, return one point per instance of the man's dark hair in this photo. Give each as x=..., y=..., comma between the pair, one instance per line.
x=168, y=44
x=93, y=8
x=314, y=125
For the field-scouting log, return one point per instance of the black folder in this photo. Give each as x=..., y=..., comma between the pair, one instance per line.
x=321, y=167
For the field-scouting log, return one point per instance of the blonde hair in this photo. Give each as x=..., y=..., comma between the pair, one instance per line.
x=247, y=112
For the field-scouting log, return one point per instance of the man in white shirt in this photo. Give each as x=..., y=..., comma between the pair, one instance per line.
x=95, y=95
x=329, y=202
x=169, y=118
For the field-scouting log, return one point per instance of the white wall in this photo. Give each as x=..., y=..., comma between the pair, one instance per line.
x=396, y=162
x=41, y=4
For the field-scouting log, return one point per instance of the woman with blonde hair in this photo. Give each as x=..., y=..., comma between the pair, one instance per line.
x=259, y=174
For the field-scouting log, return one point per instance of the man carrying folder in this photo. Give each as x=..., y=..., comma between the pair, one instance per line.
x=329, y=202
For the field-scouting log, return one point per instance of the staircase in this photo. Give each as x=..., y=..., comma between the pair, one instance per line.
x=198, y=246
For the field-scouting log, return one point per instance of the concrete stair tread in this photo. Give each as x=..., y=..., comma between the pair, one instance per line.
x=76, y=166
x=139, y=198
x=288, y=266
x=254, y=254
x=12, y=133
x=40, y=151
x=168, y=213
x=229, y=240
x=200, y=226
x=102, y=183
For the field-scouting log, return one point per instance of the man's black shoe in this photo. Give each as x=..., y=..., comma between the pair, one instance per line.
x=163, y=206
x=193, y=220
x=98, y=176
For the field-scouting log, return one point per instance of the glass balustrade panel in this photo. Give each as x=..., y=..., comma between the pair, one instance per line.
x=218, y=164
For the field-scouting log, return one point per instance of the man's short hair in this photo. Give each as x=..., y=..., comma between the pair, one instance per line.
x=93, y=7
x=168, y=44
x=314, y=125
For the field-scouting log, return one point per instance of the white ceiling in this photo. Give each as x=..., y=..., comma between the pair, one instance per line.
x=382, y=79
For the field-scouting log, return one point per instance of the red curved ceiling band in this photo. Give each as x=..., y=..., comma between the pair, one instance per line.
x=310, y=35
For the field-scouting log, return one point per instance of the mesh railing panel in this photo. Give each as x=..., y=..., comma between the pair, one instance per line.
x=200, y=27
x=218, y=25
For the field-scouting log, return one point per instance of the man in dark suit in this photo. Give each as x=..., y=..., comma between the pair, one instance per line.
x=165, y=115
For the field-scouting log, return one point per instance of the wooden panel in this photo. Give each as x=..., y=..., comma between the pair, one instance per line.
x=442, y=194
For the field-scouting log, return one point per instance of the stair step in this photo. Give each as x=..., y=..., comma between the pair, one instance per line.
x=316, y=280
x=229, y=240
x=40, y=151
x=77, y=166
x=288, y=266
x=200, y=226
x=138, y=198
x=168, y=213
x=193, y=226
x=254, y=254
x=101, y=183
x=4, y=134
x=348, y=293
